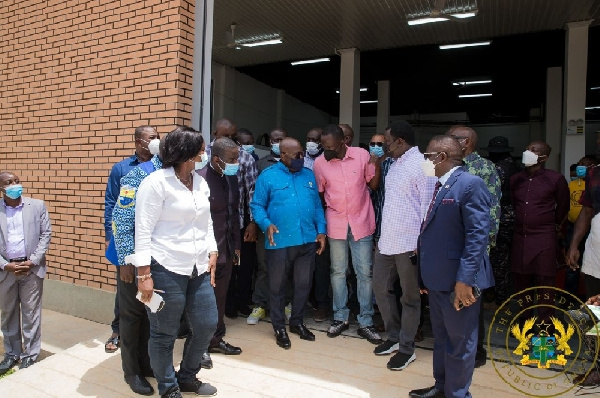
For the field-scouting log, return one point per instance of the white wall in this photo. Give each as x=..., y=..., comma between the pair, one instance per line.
x=253, y=105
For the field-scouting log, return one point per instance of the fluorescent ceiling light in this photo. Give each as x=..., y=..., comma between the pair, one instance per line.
x=363, y=89
x=462, y=15
x=474, y=95
x=595, y=88
x=592, y=107
x=462, y=45
x=369, y=102
x=424, y=20
x=470, y=82
x=262, y=43
x=310, y=61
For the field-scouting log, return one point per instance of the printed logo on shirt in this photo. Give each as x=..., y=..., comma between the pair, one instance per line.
x=540, y=343
x=126, y=197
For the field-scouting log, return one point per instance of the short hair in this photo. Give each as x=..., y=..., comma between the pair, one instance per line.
x=282, y=130
x=181, y=144
x=450, y=145
x=220, y=146
x=141, y=129
x=573, y=167
x=460, y=128
x=402, y=129
x=334, y=130
x=224, y=123
x=243, y=131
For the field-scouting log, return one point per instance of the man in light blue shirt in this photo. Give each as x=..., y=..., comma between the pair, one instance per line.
x=287, y=207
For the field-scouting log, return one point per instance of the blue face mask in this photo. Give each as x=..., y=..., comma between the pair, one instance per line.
x=581, y=171
x=230, y=169
x=202, y=163
x=14, y=191
x=275, y=148
x=248, y=148
x=376, y=150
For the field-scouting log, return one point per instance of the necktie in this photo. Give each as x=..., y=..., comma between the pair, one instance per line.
x=435, y=191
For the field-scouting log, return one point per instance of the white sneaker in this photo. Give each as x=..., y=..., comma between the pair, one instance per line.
x=256, y=315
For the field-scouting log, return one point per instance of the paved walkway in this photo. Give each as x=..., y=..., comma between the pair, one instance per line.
x=74, y=364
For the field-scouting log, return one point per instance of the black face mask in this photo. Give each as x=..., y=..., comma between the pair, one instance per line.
x=329, y=154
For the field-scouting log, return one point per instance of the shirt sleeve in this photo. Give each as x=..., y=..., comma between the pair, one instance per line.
x=149, y=206
x=211, y=242
x=495, y=188
x=320, y=222
x=45, y=235
x=124, y=218
x=369, y=167
x=249, y=180
x=586, y=196
x=110, y=198
x=319, y=176
x=258, y=206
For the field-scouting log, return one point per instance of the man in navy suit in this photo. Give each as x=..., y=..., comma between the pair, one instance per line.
x=453, y=262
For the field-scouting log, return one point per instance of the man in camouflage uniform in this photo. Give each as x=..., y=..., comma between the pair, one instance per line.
x=486, y=170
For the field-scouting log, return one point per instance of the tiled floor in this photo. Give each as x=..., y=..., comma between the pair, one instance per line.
x=75, y=365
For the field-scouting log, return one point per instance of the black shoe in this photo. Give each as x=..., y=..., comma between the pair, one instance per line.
x=225, y=348
x=369, y=333
x=199, y=388
x=400, y=361
x=386, y=348
x=336, y=328
x=139, y=385
x=231, y=313
x=173, y=392
x=430, y=392
x=7, y=364
x=206, y=361
x=480, y=358
x=283, y=340
x=244, y=310
x=302, y=331
x=25, y=363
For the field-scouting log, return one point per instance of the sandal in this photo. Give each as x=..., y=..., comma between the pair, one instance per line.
x=112, y=344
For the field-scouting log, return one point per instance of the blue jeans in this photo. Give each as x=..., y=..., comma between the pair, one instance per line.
x=362, y=257
x=182, y=294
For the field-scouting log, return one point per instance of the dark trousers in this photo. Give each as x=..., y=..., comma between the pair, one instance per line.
x=280, y=262
x=222, y=276
x=592, y=286
x=240, y=284
x=455, y=344
x=114, y=325
x=522, y=282
x=322, y=279
x=135, y=330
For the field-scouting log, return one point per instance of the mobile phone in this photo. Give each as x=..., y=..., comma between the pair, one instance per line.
x=476, y=294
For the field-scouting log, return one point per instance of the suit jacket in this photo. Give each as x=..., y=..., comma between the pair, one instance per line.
x=452, y=245
x=37, y=231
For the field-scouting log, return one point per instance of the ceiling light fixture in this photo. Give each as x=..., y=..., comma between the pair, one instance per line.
x=474, y=95
x=262, y=43
x=310, y=61
x=263, y=40
x=463, y=15
x=362, y=89
x=369, y=102
x=463, y=45
x=470, y=82
x=595, y=88
x=427, y=19
x=588, y=108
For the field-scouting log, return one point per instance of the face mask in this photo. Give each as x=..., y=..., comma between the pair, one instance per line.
x=248, y=148
x=312, y=148
x=581, y=171
x=14, y=191
x=153, y=146
x=529, y=158
x=429, y=167
x=202, y=163
x=275, y=148
x=230, y=169
x=329, y=154
x=297, y=164
x=376, y=150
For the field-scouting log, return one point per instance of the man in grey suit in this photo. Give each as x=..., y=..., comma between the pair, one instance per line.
x=24, y=239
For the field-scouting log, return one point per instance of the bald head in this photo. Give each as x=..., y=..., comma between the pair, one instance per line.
x=290, y=145
x=466, y=136
x=292, y=154
x=225, y=127
x=540, y=148
x=348, y=133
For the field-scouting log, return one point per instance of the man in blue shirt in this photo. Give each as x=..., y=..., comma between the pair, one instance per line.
x=143, y=135
x=287, y=207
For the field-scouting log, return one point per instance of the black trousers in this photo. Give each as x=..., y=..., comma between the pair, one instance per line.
x=322, y=279
x=300, y=260
x=240, y=284
x=135, y=330
x=222, y=277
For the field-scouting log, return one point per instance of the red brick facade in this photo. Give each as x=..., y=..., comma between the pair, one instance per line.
x=76, y=78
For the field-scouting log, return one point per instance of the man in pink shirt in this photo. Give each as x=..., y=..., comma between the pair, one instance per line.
x=344, y=175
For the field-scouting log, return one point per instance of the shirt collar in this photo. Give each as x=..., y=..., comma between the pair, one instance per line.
x=411, y=152
x=471, y=157
x=445, y=177
x=19, y=206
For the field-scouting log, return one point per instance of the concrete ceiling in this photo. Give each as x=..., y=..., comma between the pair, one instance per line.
x=527, y=37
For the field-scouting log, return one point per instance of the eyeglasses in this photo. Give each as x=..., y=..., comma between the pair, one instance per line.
x=297, y=155
x=426, y=155
x=375, y=143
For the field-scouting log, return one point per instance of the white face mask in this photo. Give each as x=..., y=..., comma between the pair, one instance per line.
x=312, y=148
x=153, y=146
x=429, y=167
x=202, y=163
x=529, y=158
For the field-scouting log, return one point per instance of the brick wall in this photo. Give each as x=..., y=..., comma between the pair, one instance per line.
x=76, y=78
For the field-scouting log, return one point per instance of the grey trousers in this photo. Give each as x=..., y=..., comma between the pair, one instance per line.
x=400, y=326
x=21, y=308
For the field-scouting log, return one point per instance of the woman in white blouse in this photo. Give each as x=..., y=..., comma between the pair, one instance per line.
x=176, y=255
